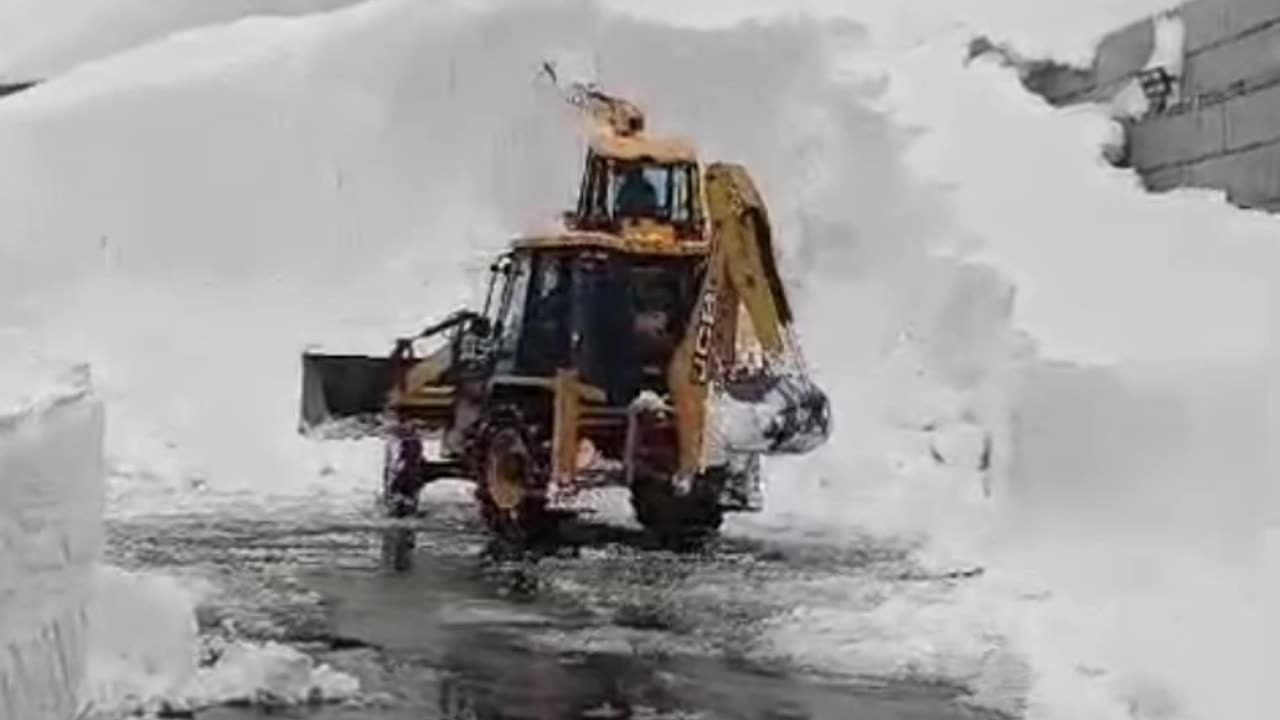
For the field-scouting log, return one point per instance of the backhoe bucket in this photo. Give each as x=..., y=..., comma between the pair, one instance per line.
x=774, y=414
x=344, y=395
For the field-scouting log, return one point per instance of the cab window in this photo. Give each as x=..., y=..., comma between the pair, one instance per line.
x=641, y=191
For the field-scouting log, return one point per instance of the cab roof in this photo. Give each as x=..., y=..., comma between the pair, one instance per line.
x=635, y=245
x=642, y=147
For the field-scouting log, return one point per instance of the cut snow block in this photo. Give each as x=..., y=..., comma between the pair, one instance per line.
x=1218, y=67
x=1251, y=119
x=1219, y=22
x=1164, y=140
x=51, y=503
x=1248, y=177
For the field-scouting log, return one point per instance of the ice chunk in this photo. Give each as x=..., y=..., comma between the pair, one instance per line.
x=141, y=640
x=270, y=674
x=144, y=652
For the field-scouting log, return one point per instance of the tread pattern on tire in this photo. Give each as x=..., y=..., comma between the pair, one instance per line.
x=531, y=523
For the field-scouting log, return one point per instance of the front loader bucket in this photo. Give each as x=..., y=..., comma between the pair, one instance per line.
x=344, y=395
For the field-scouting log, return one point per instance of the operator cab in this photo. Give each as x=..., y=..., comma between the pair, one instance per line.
x=615, y=316
x=639, y=185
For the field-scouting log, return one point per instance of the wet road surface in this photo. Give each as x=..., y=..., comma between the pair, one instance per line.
x=434, y=629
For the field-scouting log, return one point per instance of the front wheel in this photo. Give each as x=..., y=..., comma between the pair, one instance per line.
x=511, y=499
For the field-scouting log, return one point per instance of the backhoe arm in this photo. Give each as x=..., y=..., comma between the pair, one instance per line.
x=606, y=113
x=743, y=243
x=741, y=272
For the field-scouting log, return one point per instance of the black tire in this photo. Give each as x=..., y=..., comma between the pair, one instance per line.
x=678, y=522
x=528, y=523
x=513, y=536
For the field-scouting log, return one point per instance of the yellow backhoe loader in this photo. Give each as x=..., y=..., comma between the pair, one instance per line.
x=648, y=345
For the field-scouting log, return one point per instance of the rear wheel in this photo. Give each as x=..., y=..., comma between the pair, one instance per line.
x=675, y=521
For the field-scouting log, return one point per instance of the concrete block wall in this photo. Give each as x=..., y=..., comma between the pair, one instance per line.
x=1223, y=131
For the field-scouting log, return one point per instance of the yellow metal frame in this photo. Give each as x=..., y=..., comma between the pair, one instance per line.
x=638, y=242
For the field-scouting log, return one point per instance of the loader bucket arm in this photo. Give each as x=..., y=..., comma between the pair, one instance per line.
x=742, y=271
x=351, y=395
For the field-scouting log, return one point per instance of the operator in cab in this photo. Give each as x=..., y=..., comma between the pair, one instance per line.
x=636, y=195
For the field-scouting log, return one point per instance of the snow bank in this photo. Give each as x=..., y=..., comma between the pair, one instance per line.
x=141, y=639
x=1065, y=30
x=1126, y=375
x=205, y=244
x=1131, y=524
x=51, y=499
x=1141, y=476
x=42, y=38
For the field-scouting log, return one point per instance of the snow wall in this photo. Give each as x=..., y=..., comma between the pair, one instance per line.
x=83, y=639
x=51, y=496
x=963, y=264
x=44, y=38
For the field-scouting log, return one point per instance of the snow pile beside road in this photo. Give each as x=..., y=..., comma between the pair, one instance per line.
x=1141, y=491
x=51, y=499
x=1127, y=380
x=141, y=641
x=80, y=637
x=43, y=38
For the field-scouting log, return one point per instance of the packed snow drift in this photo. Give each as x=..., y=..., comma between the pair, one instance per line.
x=1034, y=365
x=50, y=535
